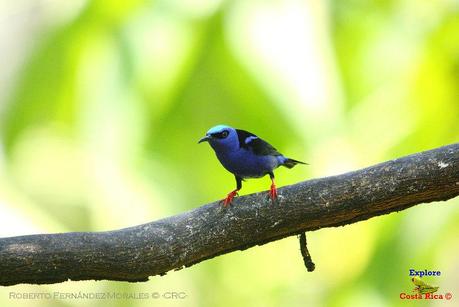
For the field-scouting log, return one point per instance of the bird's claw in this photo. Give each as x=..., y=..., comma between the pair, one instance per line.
x=273, y=193
x=229, y=198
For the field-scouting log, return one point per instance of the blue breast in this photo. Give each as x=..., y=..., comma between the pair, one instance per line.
x=246, y=164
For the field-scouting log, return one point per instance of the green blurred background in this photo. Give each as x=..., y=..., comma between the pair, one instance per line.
x=102, y=104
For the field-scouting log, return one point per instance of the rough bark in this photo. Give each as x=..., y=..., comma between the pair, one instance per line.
x=135, y=253
x=310, y=266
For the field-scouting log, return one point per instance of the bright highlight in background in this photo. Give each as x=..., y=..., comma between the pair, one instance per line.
x=102, y=103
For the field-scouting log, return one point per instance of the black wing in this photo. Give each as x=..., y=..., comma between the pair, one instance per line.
x=252, y=142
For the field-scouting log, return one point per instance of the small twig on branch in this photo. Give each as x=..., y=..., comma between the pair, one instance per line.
x=135, y=253
x=310, y=266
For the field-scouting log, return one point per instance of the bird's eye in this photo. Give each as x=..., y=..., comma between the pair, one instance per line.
x=224, y=134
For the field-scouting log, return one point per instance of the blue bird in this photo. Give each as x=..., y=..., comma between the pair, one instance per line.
x=246, y=156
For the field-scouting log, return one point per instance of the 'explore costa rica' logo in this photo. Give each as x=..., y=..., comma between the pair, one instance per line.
x=424, y=290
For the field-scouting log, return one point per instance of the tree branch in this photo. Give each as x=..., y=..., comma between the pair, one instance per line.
x=135, y=253
x=310, y=266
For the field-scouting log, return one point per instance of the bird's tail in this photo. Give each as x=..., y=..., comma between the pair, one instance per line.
x=289, y=163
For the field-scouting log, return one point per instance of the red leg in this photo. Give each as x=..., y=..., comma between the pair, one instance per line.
x=229, y=198
x=273, y=190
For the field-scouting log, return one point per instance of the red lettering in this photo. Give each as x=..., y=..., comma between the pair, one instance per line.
x=405, y=296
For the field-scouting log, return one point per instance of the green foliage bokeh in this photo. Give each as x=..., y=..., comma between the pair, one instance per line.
x=99, y=131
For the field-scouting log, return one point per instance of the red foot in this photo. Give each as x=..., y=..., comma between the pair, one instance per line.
x=273, y=192
x=229, y=198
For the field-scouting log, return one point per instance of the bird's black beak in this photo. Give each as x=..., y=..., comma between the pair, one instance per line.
x=204, y=139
